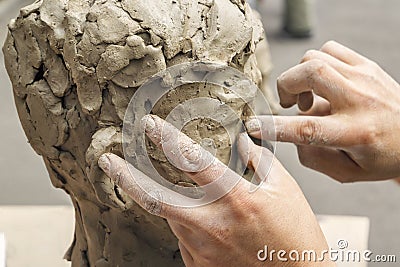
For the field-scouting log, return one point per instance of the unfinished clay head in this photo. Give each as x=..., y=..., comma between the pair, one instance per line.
x=74, y=66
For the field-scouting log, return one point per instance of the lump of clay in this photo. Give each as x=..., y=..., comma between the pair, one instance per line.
x=74, y=66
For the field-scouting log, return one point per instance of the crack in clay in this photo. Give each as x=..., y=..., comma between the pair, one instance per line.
x=74, y=67
x=118, y=194
x=59, y=177
x=39, y=75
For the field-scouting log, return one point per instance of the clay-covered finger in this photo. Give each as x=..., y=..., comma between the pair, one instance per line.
x=304, y=130
x=148, y=195
x=261, y=127
x=343, y=53
x=312, y=76
x=184, y=153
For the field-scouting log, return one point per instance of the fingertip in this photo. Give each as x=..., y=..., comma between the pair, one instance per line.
x=253, y=125
x=148, y=123
x=104, y=162
x=155, y=128
x=114, y=167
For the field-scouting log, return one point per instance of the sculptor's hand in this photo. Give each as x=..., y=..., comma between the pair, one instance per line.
x=351, y=133
x=230, y=231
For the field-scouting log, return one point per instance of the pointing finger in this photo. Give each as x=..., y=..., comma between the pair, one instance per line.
x=304, y=130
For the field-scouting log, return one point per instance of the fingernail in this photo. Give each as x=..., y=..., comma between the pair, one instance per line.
x=104, y=163
x=253, y=125
x=148, y=123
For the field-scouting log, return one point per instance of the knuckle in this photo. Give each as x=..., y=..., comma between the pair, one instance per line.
x=378, y=71
x=372, y=70
x=241, y=201
x=234, y=200
x=223, y=234
x=369, y=136
x=309, y=131
x=152, y=202
x=309, y=55
x=329, y=45
x=315, y=68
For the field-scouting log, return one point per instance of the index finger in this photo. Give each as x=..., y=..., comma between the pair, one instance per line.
x=331, y=131
x=199, y=164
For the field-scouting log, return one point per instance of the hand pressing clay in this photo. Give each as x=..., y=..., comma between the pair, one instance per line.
x=75, y=65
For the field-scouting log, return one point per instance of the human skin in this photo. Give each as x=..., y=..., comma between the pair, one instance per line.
x=230, y=231
x=353, y=122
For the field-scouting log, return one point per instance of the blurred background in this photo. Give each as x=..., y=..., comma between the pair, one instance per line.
x=370, y=27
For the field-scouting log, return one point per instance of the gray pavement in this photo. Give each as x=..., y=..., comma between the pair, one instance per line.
x=368, y=26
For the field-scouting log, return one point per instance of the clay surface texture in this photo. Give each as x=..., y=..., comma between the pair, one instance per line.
x=75, y=65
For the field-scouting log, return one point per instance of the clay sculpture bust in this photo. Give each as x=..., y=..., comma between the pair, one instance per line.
x=74, y=66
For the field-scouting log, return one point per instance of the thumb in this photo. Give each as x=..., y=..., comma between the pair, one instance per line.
x=302, y=130
x=260, y=159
